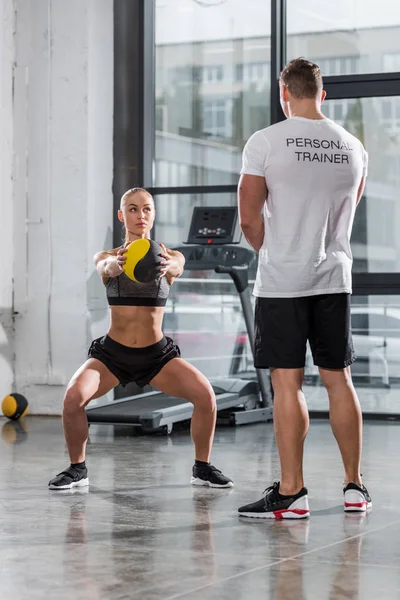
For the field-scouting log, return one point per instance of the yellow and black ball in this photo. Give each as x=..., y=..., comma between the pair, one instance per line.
x=143, y=261
x=14, y=406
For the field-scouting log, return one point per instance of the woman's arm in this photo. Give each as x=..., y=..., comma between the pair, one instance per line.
x=109, y=264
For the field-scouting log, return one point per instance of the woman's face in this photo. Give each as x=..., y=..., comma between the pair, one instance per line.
x=137, y=213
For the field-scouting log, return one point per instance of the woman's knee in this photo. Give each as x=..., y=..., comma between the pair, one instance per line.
x=203, y=398
x=74, y=400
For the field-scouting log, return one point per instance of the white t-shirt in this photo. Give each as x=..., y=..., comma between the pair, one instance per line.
x=312, y=169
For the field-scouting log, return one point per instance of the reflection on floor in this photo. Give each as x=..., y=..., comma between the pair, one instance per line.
x=373, y=399
x=142, y=532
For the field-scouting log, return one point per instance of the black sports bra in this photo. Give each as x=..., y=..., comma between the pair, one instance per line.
x=123, y=291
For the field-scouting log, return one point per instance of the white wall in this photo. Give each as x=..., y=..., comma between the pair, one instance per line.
x=62, y=123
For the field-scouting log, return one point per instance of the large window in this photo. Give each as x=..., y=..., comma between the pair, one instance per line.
x=345, y=36
x=376, y=122
x=212, y=87
x=376, y=372
x=215, y=82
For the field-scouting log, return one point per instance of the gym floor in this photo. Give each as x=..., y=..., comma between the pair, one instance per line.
x=142, y=532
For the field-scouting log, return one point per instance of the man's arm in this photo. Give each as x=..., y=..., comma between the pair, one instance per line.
x=360, y=191
x=252, y=193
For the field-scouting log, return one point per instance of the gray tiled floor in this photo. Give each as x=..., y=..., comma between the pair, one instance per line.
x=143, y=532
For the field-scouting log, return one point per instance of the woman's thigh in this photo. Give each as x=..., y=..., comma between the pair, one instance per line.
x=180, y=379
x=92, y=380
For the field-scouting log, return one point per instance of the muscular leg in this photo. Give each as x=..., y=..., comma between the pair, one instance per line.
x=180, y=379
x=291, y=423
x=91, y=381
x=346, y=419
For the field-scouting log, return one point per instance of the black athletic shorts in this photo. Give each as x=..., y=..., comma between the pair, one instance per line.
x=139, y=365
x=283, y=326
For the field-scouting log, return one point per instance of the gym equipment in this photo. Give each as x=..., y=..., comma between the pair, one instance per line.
x=214, y=231
x=14, y=406
x=143, y=260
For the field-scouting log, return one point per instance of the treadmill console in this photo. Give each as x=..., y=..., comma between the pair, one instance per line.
x=214, y=225
x=204, y=258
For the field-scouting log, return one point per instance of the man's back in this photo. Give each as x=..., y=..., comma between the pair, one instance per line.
x=312, y=168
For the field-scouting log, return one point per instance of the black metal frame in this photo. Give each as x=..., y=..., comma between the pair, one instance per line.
x=134, y=101
x=278, y=55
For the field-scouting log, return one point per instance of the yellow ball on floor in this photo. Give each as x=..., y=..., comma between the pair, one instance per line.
x=14, y=406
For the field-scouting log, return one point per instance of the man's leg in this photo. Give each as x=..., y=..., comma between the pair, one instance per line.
x=281, y=331
x=291, y=423
x=346, y=419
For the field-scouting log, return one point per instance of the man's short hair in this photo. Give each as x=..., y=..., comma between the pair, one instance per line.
x=302, y=78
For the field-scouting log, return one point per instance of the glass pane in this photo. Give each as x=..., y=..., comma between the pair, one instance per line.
x=375, y=239
x=174, y=214
x=212, y=87
x=203, y=314
x=345, y=36
x=204, y=317
x=376, y=372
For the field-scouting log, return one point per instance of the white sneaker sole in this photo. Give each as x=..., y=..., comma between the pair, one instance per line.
x=299, y=509
x=360, y=507
x=73, y=484
x=202, y=482
x=278, y=514
x=354, y=501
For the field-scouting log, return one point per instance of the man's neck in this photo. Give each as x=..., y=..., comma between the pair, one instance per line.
x=307, y=110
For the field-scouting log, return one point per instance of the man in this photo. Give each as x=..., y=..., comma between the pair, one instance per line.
x=307, y=174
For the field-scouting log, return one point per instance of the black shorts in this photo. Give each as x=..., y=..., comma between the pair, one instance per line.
x=283, y=326
x=139, y=365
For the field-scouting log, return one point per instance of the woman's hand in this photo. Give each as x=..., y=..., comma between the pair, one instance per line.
x=114, y=266
x=168, y=263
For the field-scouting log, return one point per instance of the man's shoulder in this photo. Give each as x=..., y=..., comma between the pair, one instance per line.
x=268, y=132
x=341, y=130
x=276, y=127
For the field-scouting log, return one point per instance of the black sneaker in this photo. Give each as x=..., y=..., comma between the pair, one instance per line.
x=275, y=506
x=71, y=477
x=356, y=498
x=210, y=476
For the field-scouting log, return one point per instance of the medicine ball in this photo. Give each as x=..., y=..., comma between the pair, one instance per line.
x=143, y=261
x=14, y=406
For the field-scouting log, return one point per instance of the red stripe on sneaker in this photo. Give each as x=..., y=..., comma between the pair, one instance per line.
x=356, y=504
x=279, y=514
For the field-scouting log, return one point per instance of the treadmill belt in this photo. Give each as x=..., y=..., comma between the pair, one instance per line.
x=132, y=410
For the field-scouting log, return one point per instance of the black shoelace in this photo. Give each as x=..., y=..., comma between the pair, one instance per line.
x=271, y=494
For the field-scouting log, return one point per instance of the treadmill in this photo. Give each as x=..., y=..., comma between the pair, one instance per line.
x=212, y=245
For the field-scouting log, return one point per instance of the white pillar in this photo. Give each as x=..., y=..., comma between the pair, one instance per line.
x=63, y=121
x=6, y=193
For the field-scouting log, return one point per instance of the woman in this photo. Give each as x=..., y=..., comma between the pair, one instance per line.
x=135, y=349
